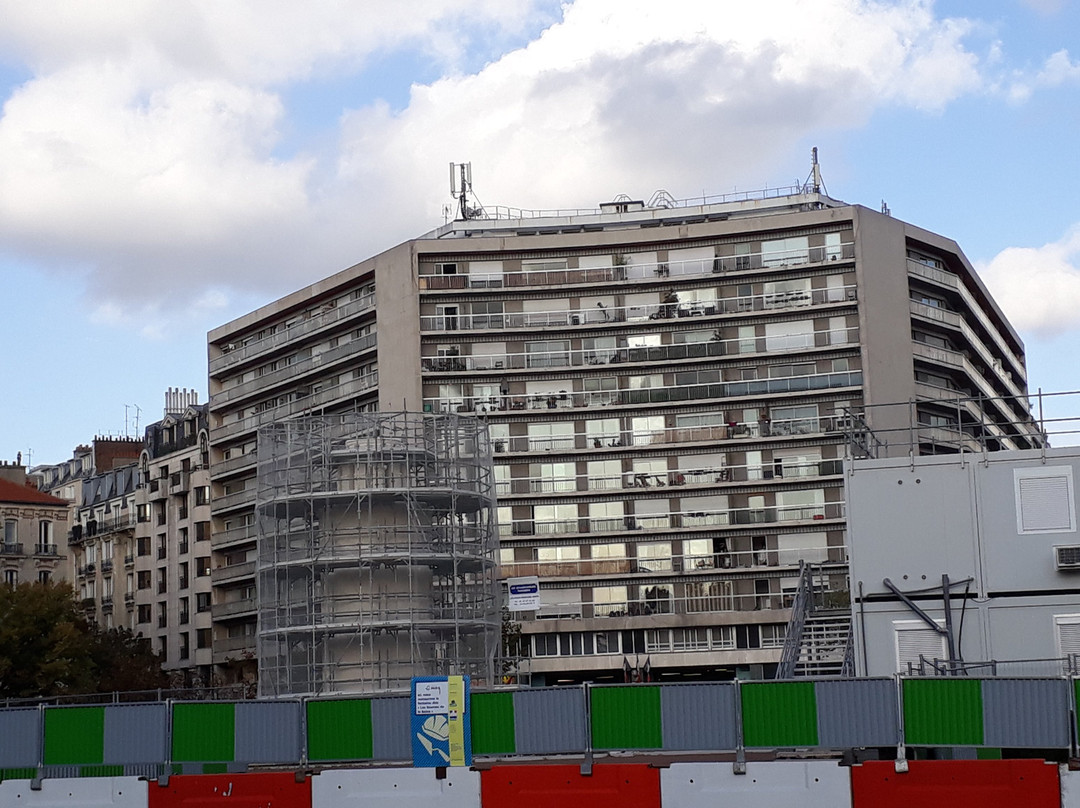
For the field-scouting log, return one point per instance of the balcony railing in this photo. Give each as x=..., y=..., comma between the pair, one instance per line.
x=742, y=305
x=298, y=405
x=568, y=398
x=688, y=477
x=45, y=550
x=348, y=350
x=653, y=353
x=718, y=265
x=675, y=520
x=791, y=427
x=11, y=549
x=704, y=598
x=735, y=560
x=327, y=317
x=952, y=281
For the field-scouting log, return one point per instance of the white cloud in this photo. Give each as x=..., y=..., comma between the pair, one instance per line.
x=1038, y=287
x=144, y=146
x=1058, y=69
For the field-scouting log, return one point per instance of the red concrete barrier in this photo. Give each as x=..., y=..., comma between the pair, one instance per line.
x=957, y=783
x=232, y=790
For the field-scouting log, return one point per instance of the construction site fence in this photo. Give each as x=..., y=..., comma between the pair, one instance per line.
x=158, y=739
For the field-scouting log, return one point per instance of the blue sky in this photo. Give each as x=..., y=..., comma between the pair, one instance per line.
x=165, y=167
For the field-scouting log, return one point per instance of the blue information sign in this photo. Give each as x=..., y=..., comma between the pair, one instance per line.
x=440, y=726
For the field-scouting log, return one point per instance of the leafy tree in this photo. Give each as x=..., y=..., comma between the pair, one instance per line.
x=47, y=648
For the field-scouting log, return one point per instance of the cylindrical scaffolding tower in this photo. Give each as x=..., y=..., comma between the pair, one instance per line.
x=377, y=553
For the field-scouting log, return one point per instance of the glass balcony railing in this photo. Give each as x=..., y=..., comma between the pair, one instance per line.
x=688, y=477
x=690, y=564
x=543, y=360
x=567, y=398
x=599, y=315
x=675, y=520
x=663, y=270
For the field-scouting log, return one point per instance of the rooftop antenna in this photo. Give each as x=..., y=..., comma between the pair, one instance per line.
x=461, y=188
x=814, y=183
x=127, y=433
x=885, y=208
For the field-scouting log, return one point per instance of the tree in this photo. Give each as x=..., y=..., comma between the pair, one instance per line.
x=513, y=647
x=47, y=648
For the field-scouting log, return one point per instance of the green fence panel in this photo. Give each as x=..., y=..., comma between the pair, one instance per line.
x=626, y=717
x=339, y=730
x=74, y=735
x=943, y=712
x=492, y=723
x=203, y=732
x=779, y=714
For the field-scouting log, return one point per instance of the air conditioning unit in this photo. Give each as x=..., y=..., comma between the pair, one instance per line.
x=1067, y=557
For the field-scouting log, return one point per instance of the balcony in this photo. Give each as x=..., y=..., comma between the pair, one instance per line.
x=676, y=520
x=11, y=549
x=179, y=482
x=107, y=604
x=735, y=560
x=236, y=536
x=45, y=550
x=129, y=561
x=951, y=281
x=158, y=489
x=745, y=305
x=330, y=315
x=129, y=599
x=688, y=598
x=568, y=398
x=233, y=572
x=292, y=372
x=237, y=463
x=637, y=273
x=715, y=348
x=254, y=419
x=86, y=569
x=688, y=478
x=106, y=565
x=235, y=608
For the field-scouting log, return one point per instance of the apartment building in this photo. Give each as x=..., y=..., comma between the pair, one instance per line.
x=170, y=600
x=102, y=544
x=670, y=390
x=140, y=542
x=33, y=521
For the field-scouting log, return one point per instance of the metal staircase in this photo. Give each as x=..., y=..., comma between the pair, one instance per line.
x=818, y=641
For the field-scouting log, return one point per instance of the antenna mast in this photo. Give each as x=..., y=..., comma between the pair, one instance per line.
x=461, y=189
x=814, y=183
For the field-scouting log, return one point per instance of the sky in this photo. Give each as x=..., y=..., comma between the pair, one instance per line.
x=169, y=165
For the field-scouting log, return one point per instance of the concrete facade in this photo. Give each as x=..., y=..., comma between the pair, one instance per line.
x=668, y=392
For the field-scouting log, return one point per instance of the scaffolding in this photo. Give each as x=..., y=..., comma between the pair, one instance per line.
x=378, y=549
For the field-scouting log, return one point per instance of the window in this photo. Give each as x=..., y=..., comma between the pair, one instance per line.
x=1044, y=500
x=548, y=354
x=202, y=638
x=144, y=580
x=202, y=495
x=202, y=566
x=43, y=577
x=11, y=577
x=143, y=545
x=11, y=531
x=144, y=613
x=915, y=639
x=202, y=602
x=45, y=532
x=185, y=611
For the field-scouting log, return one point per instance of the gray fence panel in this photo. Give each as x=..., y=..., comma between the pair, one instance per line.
x=857, y=712
x=549, y=720
x=698, y=716
x=390, y=722
x=135, y=733
x=267, y=732
x=20, y=737
x=1026, y=712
